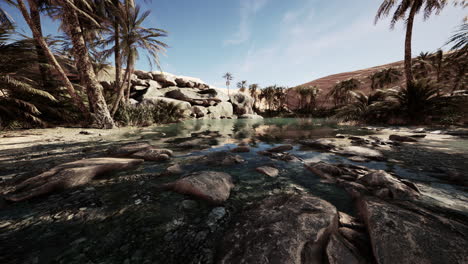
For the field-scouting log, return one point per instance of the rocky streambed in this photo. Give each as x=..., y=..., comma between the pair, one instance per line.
x=236, y=191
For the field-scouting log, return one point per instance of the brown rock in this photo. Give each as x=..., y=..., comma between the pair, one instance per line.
x=153, y=154
x=212, y=186
x=129, y=149
x=340, y=251
x=280, y=229
x=406, y=234
x=240, y=149
x=269, y=171
x=381, y=180
x=68, y=175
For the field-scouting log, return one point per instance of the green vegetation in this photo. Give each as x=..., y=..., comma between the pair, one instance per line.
x=341, y=91
x=41, y=82
x=149, y=114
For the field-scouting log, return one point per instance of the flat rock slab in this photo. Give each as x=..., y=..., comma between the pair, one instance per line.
x=361, y=151
x=269, y=171
x=280, y=229
x=68, y=175
x=409, y=234
x=211, y=186
x=153, y=154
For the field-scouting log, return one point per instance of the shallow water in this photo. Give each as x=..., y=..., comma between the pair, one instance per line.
x=223, y=135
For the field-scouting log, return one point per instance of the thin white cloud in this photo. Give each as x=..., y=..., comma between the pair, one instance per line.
x=248, y=10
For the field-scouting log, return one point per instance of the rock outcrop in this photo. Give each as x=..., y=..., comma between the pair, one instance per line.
x=194, y=97
x=67, y=176
x=407, y=234
x=211, y=186
x=280, y=229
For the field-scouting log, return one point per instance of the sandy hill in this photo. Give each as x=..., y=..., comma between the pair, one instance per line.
x=325, y=84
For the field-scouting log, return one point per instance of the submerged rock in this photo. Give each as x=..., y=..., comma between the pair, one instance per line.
x=401, y=138
x=240, y=149
x=221, y=158
x=68, y=175
x=324, y=144
x=211, y=186
x=408, y=234
x=281, y=148
x=280, y=229
x=269, y=171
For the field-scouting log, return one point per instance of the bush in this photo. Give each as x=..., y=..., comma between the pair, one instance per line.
x=148, y=114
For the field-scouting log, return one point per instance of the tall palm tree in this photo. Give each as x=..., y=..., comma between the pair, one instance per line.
x=228, y=77
x=48, y=53
x=459, y=40
x=384, y=77
x=406, y=10
x=253, y=90
x=71, y=23
x=134, y=37
x=242, y=85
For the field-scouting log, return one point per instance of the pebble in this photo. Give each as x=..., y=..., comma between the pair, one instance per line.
x=138, y=201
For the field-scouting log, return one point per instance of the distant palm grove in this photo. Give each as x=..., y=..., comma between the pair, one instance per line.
x=53, y=80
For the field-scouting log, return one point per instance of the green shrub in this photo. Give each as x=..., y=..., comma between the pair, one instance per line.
x=148, y=114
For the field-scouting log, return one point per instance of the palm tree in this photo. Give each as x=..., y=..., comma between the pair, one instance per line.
x=406, y=10
x=308, y=97
x=437, y=62
x=459, y=40
x=228, y=76
x=423, y=65
x=253, y=89
x=20, y=94
x=134, y=37
x=48, y=53
x=340, y=92
x=384, y=77
x=5, y=20
x=242, y=85
x=363, y=107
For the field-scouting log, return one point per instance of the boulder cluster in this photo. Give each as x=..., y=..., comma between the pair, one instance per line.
x=194, y=97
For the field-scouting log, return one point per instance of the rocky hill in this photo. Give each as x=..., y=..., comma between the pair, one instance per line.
x=196, y=98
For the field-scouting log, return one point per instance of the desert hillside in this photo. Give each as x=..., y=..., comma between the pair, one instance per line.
x=325, y=84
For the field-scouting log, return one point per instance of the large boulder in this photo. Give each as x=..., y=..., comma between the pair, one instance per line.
x=322, y=144
x=194, y=97
x=242, y=104
x=165, y=79
x=185, y=107
x=388, y=186
x=408, y=234
x=280, y=229
x=211, y=186
x=144, y=75
x=215, y=93
x=67, y=176
x=199, y=111
x=221, y=110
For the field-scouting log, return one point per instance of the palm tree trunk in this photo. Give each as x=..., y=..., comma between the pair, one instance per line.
x=130, y=65
x=50, y=56
x=41, y=57
x=408, y=41
x=101, y=114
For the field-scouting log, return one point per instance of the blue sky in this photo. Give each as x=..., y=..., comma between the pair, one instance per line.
x=280, y=42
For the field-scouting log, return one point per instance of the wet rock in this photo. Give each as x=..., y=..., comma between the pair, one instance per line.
x=84, y=132
x=358, y=159
x=221, y=159
x=269, y=171
x=153, y=154
x=418, y=136
x=361, y=151
x=325, y=170
x=281, y=148
x=67, y=176
x=340, y=251
x=211, y=186
x=402, y=138
x=240, y=149
x=381, y=180
x=324, y=144
x=215, y=216
x=408, y=234
x=175, y=169
x=280, y=229
x=129, y=149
